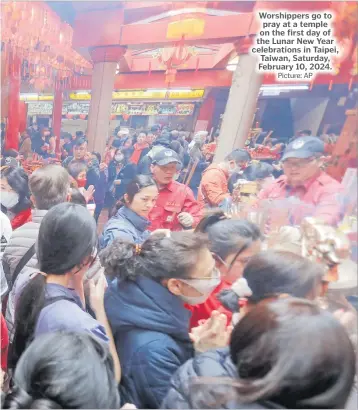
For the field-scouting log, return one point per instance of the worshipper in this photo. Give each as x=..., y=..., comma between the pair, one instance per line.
x=233, y=242
x=144, y=166
x=25, y=145
x=54, y=297
x=287, y=353
x=49, y=186
x=15, y=195
x=213, y=189
x=41, y=142
x=145, y=306
x=67, y=370
x=309, y=190
x=131, y=221
x=140, y=148
x=259, y=171
x=176, y=207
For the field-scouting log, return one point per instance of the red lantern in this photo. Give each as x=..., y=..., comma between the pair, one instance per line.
x=83, y=116
x=113, y=117
x=69, y=116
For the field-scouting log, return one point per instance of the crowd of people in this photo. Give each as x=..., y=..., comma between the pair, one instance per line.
x=174, y=302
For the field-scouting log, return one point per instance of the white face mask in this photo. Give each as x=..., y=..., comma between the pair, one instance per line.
x=204, y=286
x=9, y=199
x=119, y=158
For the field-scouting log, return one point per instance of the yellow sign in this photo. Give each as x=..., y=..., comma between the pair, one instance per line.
x=188, y=28
x=145, y=95
x=35, y=97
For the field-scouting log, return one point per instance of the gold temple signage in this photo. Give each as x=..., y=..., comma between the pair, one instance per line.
x=80, y=108
x=145, y=95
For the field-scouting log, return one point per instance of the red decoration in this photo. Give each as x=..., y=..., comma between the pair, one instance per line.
x=173, y=57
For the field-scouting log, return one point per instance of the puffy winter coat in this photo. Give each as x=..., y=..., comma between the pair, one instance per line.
x=126, y=225
x=189, y=389
x=150, y=328
x=213, y=188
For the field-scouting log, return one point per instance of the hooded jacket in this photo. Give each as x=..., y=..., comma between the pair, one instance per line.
x=213, y=188
x=150, y=328
x=215, y=364
x=126, y=225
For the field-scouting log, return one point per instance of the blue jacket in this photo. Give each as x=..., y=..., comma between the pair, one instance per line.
x=126, y=225
x=150, y=327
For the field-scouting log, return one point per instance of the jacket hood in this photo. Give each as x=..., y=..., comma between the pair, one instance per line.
x=146, y=305
x=215, y=167
x=140, y=223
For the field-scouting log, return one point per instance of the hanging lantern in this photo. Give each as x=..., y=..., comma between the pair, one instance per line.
x=113, y=117
x=83, y=116
x=69, y=116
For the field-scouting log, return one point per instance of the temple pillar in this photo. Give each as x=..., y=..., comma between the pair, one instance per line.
x=105, y=61
x=241, y=105
x=206, y=113
x=12, y=129
x=57, y=118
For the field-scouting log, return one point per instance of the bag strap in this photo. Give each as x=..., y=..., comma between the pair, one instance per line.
x=55, y=299
x=23, y=261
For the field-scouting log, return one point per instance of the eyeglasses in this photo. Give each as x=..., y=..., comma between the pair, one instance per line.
x=215, y=273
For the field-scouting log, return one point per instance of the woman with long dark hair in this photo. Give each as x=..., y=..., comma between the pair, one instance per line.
x=286, y=353
x=54, y=298
x=15, y=195
x=131, y=221
x=64, y=370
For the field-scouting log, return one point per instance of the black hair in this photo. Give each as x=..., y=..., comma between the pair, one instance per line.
x=137, y=184
x=161, y=257
x=98, y=155
x=77, y=197
x=18, y=180
x=293, y=354
x=257, y=170
x=238, y=155
x=79, y=134
x=80, y=141
x=75, y=167
x=64, y=370
x=273, y=273
x=303, y=133
x=67, y=236
x=227, y=236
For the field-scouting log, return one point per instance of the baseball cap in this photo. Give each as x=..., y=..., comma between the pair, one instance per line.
x=9, y=162
x=165, y=157
x=304, y=147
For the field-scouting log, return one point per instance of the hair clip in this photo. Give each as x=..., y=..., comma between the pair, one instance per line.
x=137, y=249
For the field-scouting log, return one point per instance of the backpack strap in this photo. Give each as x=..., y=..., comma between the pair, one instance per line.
x=22, y=263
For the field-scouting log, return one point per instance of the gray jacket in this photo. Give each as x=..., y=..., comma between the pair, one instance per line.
x=21, y=241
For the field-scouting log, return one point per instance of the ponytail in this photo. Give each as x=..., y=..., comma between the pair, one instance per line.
x=28, y=308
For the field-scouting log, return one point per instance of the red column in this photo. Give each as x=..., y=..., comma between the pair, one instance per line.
x=57, y=117
x=12, y=130
x=206, y=111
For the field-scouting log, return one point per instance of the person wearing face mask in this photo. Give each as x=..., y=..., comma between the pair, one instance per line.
x=15, y=195
x=145, y=304
x=131, y=221
x=268, y=276
x=233, y=242
x=213, y=189
x=54, y=297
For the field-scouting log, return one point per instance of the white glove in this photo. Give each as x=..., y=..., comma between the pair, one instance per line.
x=186, y=219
